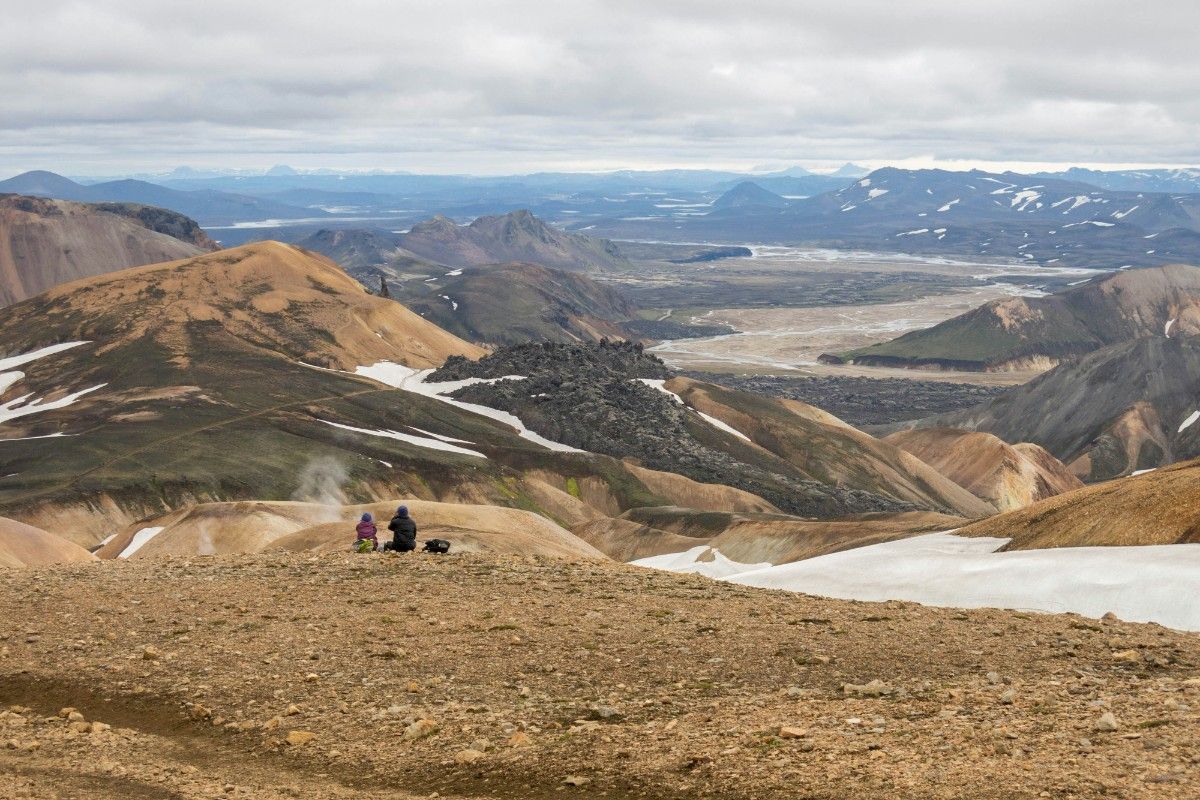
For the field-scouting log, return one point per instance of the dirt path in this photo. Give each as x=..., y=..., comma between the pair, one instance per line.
x=527, y=678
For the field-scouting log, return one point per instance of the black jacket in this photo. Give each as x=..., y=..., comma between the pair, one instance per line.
x=404, y=533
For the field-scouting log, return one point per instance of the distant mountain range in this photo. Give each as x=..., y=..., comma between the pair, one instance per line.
x=206, y=206
x=1076, y=218
x=1040, y=220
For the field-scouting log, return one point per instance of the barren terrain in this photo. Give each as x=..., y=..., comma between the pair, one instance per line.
x=331, y=676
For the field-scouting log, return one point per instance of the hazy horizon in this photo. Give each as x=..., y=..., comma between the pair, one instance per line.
x=512, y=87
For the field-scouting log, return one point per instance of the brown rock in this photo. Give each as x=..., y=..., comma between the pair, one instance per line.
x=299, y=738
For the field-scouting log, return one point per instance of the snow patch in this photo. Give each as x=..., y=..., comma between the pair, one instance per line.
x=871, y=195
x=1187, y=423
x=689, y=562
x=949, y=205
x=1167, y=327
x=139, y=540
x=1022, y=199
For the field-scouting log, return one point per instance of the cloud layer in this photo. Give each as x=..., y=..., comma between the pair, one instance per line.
x=503, y=85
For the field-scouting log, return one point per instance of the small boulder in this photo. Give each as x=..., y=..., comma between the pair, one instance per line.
x=300, y=738
x=1107, y=723
x=420, y=729
x=468, y=756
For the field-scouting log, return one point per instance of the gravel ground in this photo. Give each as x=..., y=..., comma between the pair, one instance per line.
x=331, y=676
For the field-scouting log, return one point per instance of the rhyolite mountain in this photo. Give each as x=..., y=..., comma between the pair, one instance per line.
x=516, y=236
x=47, y=242
x=1025, y=332
x=618, y=400
x=1008, y=476
x=1158, y=507
x=206, y=206
x=1126, y=407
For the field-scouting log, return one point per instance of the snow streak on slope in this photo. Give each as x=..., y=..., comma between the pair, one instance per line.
x=27, y=404
x=419, y=441
x=412, y=380
x=656, y=383
x=1139, y=584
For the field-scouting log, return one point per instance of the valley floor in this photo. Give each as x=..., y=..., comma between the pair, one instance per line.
x=331, y=676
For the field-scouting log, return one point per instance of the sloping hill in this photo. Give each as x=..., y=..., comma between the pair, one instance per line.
x=1019, y=332
x=748, y=194
x=1007, y=476
x=517, y=236
x=516, y=302
x=827, y=449
x=23, y=545
x=252, y=527
x=1122, y=408
x=1159, y=507
x=47, y=242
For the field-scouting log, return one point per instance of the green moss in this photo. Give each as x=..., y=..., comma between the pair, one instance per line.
x=573, y=487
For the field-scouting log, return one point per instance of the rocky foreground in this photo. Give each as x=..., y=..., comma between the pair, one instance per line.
x=331, y=676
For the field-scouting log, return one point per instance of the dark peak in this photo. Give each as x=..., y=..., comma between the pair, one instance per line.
x=749, y=193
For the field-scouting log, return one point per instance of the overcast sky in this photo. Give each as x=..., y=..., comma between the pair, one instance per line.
x=500, y=86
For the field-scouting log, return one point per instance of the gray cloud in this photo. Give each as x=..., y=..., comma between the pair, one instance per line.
x=498, y=85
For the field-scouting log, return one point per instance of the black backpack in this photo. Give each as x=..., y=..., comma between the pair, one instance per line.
x=436, y=546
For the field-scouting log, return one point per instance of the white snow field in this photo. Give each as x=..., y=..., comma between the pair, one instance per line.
x=701, y=560
x=26, y=405
x=1139, y=584
x=139, y=539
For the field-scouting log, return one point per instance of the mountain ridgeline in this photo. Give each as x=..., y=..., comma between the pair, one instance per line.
x=44, y=243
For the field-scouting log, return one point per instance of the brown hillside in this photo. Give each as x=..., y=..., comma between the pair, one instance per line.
x=44, y=243
x=272, y=295
x=23, y=545
x=1007, y=476
x=1159, y=507
x=828, y=450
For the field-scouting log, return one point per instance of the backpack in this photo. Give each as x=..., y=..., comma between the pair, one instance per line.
x=436, y=546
